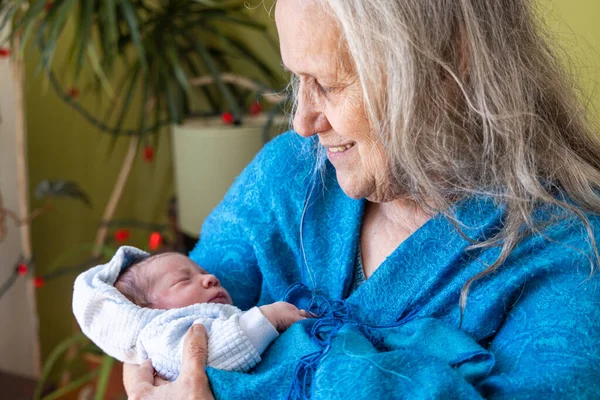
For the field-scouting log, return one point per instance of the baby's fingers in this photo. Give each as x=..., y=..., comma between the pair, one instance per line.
x=306, y=314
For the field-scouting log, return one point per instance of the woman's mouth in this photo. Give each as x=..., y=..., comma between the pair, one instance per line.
x=341, y=149
x=334, y=152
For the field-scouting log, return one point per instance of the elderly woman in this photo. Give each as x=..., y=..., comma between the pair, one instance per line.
x=440, y=206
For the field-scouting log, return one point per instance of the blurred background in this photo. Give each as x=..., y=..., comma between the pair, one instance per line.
x=124, y=122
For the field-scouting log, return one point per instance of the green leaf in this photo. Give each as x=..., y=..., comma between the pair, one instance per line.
x=172, y=103
x=105, y=371
x=241, y=20
x=241, y=48
x=224, y=6
x=61, y=188
x=76, y=384
x=55, y=22
x=29, y=21
x=132, y=22
x=83, y=38
x=128, y=95
x=144, y=104
x=120, y=86
x=178, y=71
x=212, y=68
x=158, y=113
x=95, y=63
x=53, y=358
x=205, y=90
x=8, y=10
x=158, y=105
x=109, y=32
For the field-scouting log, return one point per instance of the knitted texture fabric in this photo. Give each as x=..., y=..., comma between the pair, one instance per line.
x=535, y=321
x=133, y=334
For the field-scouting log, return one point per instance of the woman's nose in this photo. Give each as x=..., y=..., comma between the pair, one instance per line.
x=309, y=118
x=209, y=280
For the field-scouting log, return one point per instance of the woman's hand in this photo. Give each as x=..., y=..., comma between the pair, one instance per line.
x=140, y=382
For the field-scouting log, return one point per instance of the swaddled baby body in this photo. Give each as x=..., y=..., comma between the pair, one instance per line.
x=140, y=306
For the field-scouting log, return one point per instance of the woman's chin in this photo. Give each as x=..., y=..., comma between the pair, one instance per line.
x=358, y=190
x=351, y=187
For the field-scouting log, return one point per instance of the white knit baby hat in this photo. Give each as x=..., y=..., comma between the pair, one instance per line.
x=104, y=314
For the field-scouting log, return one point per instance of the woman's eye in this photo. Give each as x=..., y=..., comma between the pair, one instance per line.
x=322, y=89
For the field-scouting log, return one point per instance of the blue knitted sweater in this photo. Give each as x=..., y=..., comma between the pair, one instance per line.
x=531, y=330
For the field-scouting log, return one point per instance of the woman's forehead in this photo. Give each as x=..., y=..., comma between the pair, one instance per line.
x=309, y=38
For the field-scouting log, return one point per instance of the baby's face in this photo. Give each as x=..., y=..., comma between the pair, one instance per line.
x=178, y=282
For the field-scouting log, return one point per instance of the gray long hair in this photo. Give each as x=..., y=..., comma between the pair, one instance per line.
x=474, y=102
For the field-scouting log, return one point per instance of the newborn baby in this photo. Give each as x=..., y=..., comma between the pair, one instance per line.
x=156, y=299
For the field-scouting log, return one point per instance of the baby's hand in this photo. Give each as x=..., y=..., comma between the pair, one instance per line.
x=282, y=314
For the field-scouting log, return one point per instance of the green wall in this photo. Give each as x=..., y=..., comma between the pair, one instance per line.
x=575, y=26
x=62, y=145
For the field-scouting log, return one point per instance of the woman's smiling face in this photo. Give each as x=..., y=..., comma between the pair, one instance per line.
x=330, y=98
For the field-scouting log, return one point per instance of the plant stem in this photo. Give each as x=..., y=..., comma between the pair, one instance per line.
x=113, y=201
x=23, y=190
x=22, y=172
x=18, y=221
x=242, y=81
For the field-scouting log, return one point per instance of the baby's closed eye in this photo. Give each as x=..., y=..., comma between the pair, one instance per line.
x=180, y=280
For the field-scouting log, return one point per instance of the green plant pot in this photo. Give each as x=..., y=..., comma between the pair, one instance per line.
x=208, y=155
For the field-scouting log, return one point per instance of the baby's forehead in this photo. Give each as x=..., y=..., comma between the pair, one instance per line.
x=173, y=262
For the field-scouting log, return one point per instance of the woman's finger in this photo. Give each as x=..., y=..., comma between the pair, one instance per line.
x=129, y=371
x=144, y=374
x=195, y=353
x=158, y=381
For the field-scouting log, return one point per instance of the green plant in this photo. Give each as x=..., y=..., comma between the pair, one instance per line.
x=82, y=345
x=160, y=44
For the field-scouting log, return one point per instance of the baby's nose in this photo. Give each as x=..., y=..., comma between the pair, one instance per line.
x=209, y=280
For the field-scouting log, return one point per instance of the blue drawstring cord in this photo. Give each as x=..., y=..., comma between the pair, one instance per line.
x=331, y=316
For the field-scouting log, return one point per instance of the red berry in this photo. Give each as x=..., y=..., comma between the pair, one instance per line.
x=74, y=93
x=148, y=153
x=227, y=118
x=38, y=282
x=255, y=108
x=4, y=52
x=48, y=5
x=22, y=269
x=155, y=241
x=121, y=235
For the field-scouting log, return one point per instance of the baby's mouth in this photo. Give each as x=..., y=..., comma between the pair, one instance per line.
x=219, y=298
